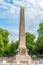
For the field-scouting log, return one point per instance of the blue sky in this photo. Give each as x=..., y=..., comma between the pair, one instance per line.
x=10, y=16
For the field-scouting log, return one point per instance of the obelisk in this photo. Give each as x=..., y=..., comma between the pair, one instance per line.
x=22, y=50
x=22, y=28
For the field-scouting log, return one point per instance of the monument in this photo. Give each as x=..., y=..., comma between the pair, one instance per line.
x=22, y=50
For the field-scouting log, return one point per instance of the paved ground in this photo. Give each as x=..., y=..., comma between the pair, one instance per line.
x=20, y=64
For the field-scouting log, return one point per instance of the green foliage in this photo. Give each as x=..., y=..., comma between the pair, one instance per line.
x=10, y=49
x=39, y=44
x=4, y=36
x=13, y=48
x=40, y=30
x=35, y=47
x=3, y=40
x=30, y=43
x=6, y=48
x=39, y=41
x=6, y=51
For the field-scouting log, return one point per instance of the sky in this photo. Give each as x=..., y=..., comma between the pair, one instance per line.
x=10, y=16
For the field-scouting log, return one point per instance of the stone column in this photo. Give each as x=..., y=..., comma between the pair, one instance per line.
x=22, y=28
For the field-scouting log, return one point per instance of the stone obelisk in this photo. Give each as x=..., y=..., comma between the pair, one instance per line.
x=22, y=50
x=22, y=28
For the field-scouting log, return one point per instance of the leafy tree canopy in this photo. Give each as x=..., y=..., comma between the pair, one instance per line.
x=30, y=42
x=40, y=30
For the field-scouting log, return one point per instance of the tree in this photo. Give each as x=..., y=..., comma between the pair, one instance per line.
x=39, y=41
x=13, y=48
x=40, y=30
x=30, y=43
x=3, y=40
x=39, y=44
x=6, y=48
x=6, y=52
x=4, y=35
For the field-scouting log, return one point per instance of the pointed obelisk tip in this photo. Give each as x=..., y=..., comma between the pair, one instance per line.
x=22, y=5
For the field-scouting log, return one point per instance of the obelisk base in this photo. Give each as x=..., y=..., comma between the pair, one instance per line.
x=23, y=58
x=23, y=55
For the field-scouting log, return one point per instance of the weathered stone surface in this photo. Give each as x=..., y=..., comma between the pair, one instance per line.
x=22, y=50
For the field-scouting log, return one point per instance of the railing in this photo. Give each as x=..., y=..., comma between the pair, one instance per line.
x=22, y=63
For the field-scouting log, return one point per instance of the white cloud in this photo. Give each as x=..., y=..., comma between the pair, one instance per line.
x=33, y=13
x=1, y=0
x=8, y=11
x=13, y=37
x=16, y=2
x=9, y=7
x=14, y=34
x=31, y=1
x=40, y=3
x=14, y=31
